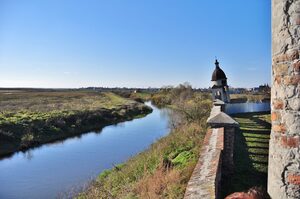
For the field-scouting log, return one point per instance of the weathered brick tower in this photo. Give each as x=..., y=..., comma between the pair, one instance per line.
x=284, y=154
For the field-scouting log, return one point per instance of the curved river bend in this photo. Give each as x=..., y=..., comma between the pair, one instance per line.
x=52, y=169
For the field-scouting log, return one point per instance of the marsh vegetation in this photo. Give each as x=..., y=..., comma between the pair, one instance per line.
x=31, y=118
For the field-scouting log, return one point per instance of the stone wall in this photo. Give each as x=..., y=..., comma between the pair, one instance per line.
x=284, y=154
x=206, y=178
x=216, y=157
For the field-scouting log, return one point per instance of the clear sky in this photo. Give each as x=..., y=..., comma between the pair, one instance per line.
x=133, y=43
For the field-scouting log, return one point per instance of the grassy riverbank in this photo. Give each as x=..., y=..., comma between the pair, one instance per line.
x=30, y=118
x=163, y=170
x=250, y=153
x=250, y=97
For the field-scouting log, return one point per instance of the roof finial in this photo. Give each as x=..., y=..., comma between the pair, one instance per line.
x=217, y=63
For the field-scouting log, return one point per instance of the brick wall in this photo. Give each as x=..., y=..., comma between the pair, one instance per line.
x=284, y=153
x=205, y=180
x=216, y=157
x=228, y=164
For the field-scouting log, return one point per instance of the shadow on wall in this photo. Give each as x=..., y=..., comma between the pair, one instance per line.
x=250, y=153
x=219, y=147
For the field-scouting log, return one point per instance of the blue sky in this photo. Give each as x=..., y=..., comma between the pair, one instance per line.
x=133, y=43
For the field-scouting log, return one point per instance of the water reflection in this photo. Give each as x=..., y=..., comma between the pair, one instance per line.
x=28, y=154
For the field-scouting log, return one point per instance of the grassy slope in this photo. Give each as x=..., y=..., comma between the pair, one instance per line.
x=150, y=174
x=250, y=153
x=32, y=118
x=164, y=169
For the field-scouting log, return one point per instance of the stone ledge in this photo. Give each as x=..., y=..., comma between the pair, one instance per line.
x=221, y=119
x=205, y=180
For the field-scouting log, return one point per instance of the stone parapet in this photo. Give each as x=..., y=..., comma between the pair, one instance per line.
x=205, y=180
x=216, y=157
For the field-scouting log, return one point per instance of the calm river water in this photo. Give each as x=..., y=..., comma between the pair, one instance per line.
x=248, y=107
x=52, y=169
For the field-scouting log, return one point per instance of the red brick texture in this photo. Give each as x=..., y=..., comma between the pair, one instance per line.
x=294, y=179
x=279, y=128
x=287, y=141
x=278, y=104
x=275, y=116
x=290, y=141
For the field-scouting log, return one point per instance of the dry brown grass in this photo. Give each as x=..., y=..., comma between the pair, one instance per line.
x=164, y=183
x=250, y=97
x=39, y=101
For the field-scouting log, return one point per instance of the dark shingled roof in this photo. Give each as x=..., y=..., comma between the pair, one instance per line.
x=218, y=73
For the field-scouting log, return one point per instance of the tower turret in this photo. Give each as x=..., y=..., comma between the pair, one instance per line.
x=219, y=84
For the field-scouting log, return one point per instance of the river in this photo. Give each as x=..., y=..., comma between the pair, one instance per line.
x=54, y=169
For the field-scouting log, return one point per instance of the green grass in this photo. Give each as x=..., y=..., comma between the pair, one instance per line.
x=163, y=170
x=144, y=96
x=31, y=118
x=250, y=153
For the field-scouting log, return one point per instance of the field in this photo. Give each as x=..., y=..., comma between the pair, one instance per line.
x=15, y=101
x=29, y=117
x=250, y=153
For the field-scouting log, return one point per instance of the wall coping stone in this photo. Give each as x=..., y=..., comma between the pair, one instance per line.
x=218, y=102
x=206, y=176
x=221, y=119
